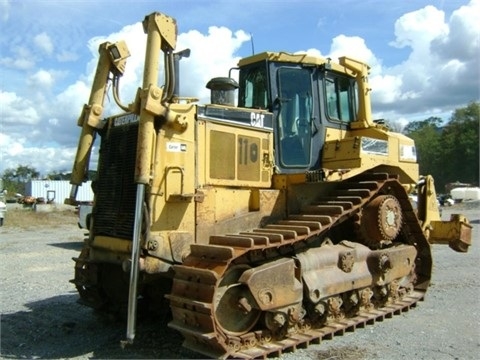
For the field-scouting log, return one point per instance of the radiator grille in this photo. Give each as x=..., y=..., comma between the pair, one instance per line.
x=115, y=187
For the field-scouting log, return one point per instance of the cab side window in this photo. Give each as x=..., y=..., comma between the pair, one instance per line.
x=254, y=91
x=340, y=95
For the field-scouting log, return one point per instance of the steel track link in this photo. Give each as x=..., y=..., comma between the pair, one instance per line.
x=304, y=338
x=192, y=299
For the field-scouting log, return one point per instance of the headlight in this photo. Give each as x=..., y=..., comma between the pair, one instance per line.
x=374, y=146
x=408, y=153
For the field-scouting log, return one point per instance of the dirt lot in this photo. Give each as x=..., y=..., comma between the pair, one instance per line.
x=41, y=319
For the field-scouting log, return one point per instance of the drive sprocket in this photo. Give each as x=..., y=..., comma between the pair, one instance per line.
x=380, y=221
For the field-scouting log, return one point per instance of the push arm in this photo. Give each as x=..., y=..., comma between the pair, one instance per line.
x=112, y=60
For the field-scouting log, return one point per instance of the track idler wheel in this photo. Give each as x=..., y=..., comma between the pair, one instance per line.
x=234, y=312
x=381, y=220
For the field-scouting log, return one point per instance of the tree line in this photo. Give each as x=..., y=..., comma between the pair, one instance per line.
x=449, y=152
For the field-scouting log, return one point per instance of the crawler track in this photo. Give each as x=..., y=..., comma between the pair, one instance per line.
x=303, y=338
x=197, y=281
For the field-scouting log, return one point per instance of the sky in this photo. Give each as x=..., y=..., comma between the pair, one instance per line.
x=424, y=57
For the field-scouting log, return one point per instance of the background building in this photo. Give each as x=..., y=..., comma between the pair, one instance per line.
x=56, y=191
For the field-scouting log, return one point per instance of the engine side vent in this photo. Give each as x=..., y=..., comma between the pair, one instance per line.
x=115, y=187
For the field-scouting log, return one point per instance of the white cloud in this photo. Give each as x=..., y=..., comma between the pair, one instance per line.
x=22, y=64
x=5, y=10
x=22, y=58
x=352, y=46
x=212, y=55
x=41, y=79
x=419, y=28
x=10, y=146
x=65, y=56
x=44, y=43
x=387, y=88
x=463, y=38
x=441, y=70
x=16, y=110
x=312, y=52
x=17, y=151
x=69, y=103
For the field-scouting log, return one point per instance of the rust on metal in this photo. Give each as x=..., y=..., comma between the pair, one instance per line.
x=314, y=294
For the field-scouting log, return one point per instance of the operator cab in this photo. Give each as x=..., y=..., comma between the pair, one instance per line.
x=305, y=95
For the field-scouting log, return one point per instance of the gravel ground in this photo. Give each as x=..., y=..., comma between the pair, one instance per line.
x=41, y=319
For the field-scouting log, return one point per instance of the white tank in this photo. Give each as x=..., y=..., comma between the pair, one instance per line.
x=465, y=193
x=472, y=193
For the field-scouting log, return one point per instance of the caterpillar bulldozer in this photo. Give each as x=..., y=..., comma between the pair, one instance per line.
x=267, y=221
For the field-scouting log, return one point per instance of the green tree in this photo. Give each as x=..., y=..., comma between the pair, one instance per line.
x=451, y=152
x=427, y=135
x=58, y=175
x=16, y=179
x=460, y=145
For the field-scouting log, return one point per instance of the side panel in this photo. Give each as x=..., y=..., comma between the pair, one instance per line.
x=230, y=155
x=348, y=153
x=235, y=168
x=172, y=197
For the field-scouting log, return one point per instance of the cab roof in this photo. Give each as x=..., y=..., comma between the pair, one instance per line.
x=300, y=58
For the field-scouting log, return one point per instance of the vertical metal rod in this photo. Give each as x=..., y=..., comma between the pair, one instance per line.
x=73, y=192
x=143, y=165
x=132, y=294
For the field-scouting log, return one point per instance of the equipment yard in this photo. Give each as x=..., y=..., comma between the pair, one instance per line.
x=40, y=317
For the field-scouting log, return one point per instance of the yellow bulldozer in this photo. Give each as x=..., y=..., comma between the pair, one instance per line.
x=268, y=220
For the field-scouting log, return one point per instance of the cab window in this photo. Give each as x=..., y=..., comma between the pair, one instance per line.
x=253, y=88
x=340, y=95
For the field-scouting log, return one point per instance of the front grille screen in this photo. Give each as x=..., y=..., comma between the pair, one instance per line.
x=115, y=187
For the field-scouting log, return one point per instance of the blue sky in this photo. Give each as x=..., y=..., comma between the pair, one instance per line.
x=425, y=56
